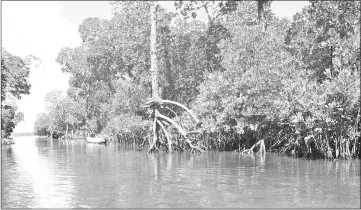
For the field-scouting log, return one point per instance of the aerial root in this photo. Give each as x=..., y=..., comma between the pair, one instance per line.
x=159, y=102
x=155, y=103
x=193, y=148
x=151, y=147
x=167, y=135
x=262, y=148
x=181, y=131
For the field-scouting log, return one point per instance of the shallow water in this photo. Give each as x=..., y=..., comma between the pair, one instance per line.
x=43, y=173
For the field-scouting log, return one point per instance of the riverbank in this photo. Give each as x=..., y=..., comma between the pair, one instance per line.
x=296, y=144
x=284, y=139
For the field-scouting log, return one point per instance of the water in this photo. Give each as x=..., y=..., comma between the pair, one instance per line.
x=42, y=173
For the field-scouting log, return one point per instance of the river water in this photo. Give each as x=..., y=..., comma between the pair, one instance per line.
x=43, y=173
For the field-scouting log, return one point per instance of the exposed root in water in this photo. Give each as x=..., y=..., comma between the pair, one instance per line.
x=262, y=149
x=143, y=143
x=181, y=131
x=162, y=120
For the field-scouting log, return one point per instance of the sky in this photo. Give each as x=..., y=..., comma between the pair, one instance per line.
x=42, y=28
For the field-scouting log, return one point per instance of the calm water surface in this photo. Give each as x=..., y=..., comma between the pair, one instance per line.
x=39, y=173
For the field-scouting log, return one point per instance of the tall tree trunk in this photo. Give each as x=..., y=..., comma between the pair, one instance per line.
x=154, y=69
x=153, y=50
x=156, y=102
x=261, y=4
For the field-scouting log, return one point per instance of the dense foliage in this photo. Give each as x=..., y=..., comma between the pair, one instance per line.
x=247, y=74
x=14, y=83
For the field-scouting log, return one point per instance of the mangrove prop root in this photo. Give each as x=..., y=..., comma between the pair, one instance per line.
x=277, y=143
x=157, y=102
x=154, y=135
x=181, y=131
x=171, y=110
x=183, y=107
x=144, y=139
x=261, y=150
x=167, y=135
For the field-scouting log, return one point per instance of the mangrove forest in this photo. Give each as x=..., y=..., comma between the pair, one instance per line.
x=243, y=80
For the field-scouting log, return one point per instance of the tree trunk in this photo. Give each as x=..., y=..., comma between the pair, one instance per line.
x=168, y=69
x=154, y=68
x=153, y=50
x=156, y=102
x=261, y=4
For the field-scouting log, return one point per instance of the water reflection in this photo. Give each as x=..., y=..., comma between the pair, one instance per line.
x=34, y=178
x=74, y=174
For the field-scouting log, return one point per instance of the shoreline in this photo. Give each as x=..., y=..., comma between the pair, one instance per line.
x=124, y=144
